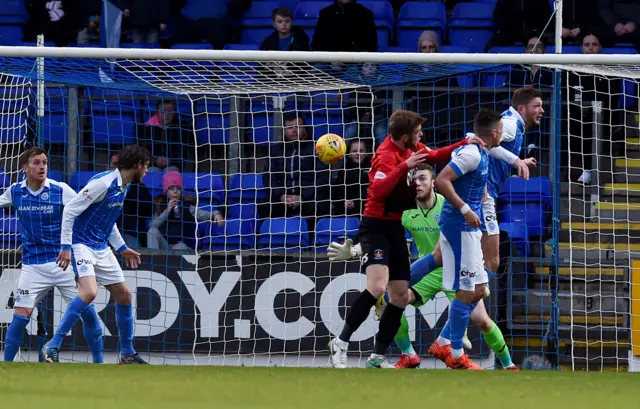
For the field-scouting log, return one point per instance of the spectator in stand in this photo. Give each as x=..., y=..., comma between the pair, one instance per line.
x=136, y=210
x=169, y=140
x=622, y=18
x=286, y=36
x=60, y=21
x=173, y=226
x=580, y=17
x=146, y=18
x=345, y=26
x=351, y=183
x=428, y=42
x=533, y=75
x=90, y=32
x=213, y=21
x=518, y=20
x=298, y=181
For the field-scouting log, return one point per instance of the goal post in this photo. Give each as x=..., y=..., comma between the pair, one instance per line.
x=257, y=289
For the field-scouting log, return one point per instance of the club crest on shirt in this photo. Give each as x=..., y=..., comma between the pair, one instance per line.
x=44, y=196
x=378, y=254
x=437, y=218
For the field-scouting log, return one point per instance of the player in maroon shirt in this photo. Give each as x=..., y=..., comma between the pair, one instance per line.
x=385, y=255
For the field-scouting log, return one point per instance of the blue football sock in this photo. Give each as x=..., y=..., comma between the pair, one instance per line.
x=386, y=297
x=421, y=268
x=15, y=335
x=93, y=333
x=71, y=316
x=124, y=320
x=446, y=331
x=458, y=321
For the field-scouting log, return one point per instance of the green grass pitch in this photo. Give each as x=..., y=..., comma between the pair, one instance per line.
x=173, y=387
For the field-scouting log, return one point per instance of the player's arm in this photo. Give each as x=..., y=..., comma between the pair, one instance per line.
x=513, y=160
x=116, y=240
x=464, y=162
x=6, y=199
x=388, y=174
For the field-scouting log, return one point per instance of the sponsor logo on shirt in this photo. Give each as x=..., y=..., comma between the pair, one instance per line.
x=46, y=209
x=114, y=204
x=87, y=195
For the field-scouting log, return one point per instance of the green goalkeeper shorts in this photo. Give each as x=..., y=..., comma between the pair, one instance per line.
x=428, y=287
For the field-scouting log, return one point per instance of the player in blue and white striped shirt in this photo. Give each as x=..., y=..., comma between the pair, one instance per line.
x=88, y=227
x=39, y=202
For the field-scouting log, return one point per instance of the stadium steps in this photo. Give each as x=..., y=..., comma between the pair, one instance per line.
x=589, y=319
x=596, y=231
x=586, y=273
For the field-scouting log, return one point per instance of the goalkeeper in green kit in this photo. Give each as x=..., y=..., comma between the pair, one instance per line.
x=422, y=224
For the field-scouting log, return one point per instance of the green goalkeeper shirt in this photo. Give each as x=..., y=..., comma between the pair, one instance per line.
x=424, y=226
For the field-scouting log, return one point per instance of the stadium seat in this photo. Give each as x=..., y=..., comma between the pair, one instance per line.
x=513, y=49
x=192, y=46
x=526, y=201
x=291, y=233
x=496, y=78
x=415, y=17
x=383, y=18
x=11, y=34
x=80, y=179
x=34, y=44
x=140, y=45
x=242, y=47
x=335, y=229
x=55, y=117
x=212, y=122
x=233, y=235
x=10, y=236
x=629, y=97
x=5, y=180
x=566, y=49
x=247, y=187
x=113, y=126
x=209, y=185
x=153, y=180
x=518, y=235
x=453, y=49
x=260, y=127
x=619, y=50
x=14, y=8
x=306, y=15
x=471, y=25
x=397, y=49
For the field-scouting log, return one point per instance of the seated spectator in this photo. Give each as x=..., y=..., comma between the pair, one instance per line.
x=580, y=17
x=213, y=21
x=90, y=32
x=286, y=36
x=136, y=210
x=518, y=20
x=350, y=186
x=145, y=18
x=297, y=180
x=532, y=75
x=173, y=226
x=428, y=42
x=169, y=140
x=621, y=18
x=345, y=26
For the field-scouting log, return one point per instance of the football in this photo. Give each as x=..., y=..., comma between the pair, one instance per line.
x=330, y=148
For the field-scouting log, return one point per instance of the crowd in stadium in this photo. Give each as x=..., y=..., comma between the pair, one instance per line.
x=590, y=27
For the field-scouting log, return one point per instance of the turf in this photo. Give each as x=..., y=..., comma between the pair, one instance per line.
x=119, y=387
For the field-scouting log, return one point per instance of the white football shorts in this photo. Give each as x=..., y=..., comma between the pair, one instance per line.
x=102, y=264
x=37, y=279
x=462, y=261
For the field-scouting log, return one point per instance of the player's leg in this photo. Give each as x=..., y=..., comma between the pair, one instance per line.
x=492, y=335
x=425, y=265
x=109, y=273
x=491, y=236
x=33, y=285
x=462, y=263
x=375, y=253
x=83, y=261
x=65, y=282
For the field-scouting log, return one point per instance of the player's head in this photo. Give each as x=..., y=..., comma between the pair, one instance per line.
x=34, y=164
x=406, y=127
x=295, y=128
x=282, y=20
x=528, y=102
x=487, y=124
x=424, y=181
x=134, y=158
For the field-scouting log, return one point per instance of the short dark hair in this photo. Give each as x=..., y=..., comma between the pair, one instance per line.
x=162, y=103
x=281, y=11
x=484, y=121
x=426, y=166
x=403, y=122
x=130, y=156
x=524, y=95
x=292, y=116
x=30, y=153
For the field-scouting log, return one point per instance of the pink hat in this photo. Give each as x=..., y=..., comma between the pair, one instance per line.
x=171, y=178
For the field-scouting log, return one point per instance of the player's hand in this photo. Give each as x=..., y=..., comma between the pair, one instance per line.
x=523, y=169
x=472, y=219
x=476, y=140
x=341, y=252
x=131, y=258
x=417, y=158
x=64, y=259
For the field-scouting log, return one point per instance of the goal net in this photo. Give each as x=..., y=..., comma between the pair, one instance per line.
x=243, y=279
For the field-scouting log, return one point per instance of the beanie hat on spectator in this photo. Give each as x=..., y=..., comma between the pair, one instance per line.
x=171, y=178
x=431, y=36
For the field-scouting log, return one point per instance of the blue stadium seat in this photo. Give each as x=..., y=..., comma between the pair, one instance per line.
x=619, y=50
x=5, y=180
x=383, y=18
x=514, y=49
x=306, y=15
x=209, y=185
x=415, y=17
x=247, y=187
x=527, y=202
x=453, y=49
x=34, y=44
x=471, y=25
x=291, y=233
x=518, y=235
x=397, y=49
x=111, y=126
x=212, y=122
x=566, y=49
x=53, y=174
x=153, y=180
x=192, y=46
x=629, y=97
x=495, y=78
x=14, y=8
x=335, y=229
x=233, y=235
x=80, y=179
x=140, y=45
x=10, y=236
x=11, y=34
x=55, y=117
x=255, y=46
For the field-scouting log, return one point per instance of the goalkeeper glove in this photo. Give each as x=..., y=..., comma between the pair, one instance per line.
x=342, y=252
